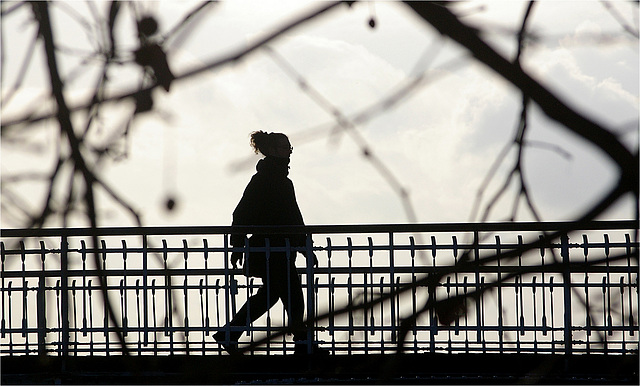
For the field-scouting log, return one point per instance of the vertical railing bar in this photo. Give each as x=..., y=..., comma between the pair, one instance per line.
x=205, y=329
x=544, y=296
x=41, y=303
x=10, y=293
x=535, y=314
x=604, y=314
x=414, y=293
x=481, y=329
x=365, y=332
x=398, y=284
x=288, y=257
x=628, y=250
x=351, y=332
x=186, y=317
x=553, y=326
x=23, y=322
x=350, y=294
x=479, y=316
x=332, y=309
x=392, y=265
x=217, y=301
x=75, y=317
x=369, y=310
x=125, y=287
x=316, y=303
x=622, y=329
x=91, y=334
x=168, y=297
x=310, y=280
x=155, y=317
x=450, y=342
x=637, y=298
x=454, y=247
x=566, y=275
x=249, y=291
x=186, y=295
x=228, y=297
x=267, y=246
x=2, y=276
x=466, y=316
x=145, y=289
x=519, y=310
x=382, y=313
x=331, y=296
x=433, y=318
x=609, y=318
x=500, y=309
x=123, y=307
x=519, y=286
x=139, y=328
x=64, y=296
x=83, y=257
x=103, y=244
x=59, y=315
x=586, y=290
x=207, y=323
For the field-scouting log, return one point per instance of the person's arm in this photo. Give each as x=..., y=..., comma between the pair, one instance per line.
x=243, y=215
x=299, y=240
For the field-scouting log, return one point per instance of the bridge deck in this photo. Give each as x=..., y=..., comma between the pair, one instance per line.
x=338, y=369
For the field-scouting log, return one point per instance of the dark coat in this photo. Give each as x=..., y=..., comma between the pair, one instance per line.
x=269, y=199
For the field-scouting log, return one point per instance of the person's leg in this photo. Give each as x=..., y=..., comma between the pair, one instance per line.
x=252, y=309
x=295, y=304
x=285, y=284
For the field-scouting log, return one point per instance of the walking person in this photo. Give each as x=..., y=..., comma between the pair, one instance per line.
x=269, y=200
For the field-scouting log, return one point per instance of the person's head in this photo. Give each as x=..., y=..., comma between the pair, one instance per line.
x=271, y=144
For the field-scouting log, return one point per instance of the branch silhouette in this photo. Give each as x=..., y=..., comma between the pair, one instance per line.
x=232, y=58
x=449, y=25
x=41, y=12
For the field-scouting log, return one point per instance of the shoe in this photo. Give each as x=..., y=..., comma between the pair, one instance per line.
x=230, y=346
x=302, y=348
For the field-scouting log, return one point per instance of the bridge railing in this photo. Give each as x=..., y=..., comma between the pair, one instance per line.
x=171, y=289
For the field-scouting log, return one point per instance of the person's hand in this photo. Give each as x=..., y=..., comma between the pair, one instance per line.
x=235, y=258
x=315, y=260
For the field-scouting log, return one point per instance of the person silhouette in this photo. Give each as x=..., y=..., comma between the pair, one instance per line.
x=269, y=200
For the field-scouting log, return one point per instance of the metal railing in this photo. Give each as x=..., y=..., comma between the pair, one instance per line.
x=171, y=289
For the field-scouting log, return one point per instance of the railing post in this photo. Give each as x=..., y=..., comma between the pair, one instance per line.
x=41, y=305
x=310, y=299
x=145, y=289
x=64, y=295
x=476, y=257
x=2, y=289
x=566, y=276
x=392, y=264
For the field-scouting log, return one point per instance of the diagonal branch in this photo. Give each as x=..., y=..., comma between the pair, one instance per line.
x=448, y=24
x=232, y=58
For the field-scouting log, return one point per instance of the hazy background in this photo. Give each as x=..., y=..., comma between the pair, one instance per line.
x=438, y=143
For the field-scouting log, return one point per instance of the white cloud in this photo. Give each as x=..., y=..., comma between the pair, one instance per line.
x=439, y=143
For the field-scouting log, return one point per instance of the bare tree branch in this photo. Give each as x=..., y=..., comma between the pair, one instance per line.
x=41, y=11
x=214, y=64
x=448, y=24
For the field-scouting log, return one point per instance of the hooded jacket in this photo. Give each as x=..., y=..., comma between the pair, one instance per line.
x=269, y=200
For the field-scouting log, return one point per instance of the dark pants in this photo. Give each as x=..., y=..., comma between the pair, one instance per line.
x=280, y=282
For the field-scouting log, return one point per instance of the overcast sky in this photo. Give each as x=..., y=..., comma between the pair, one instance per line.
x=438, y=143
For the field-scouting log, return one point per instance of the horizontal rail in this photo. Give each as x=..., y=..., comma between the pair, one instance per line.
x=327, y=229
